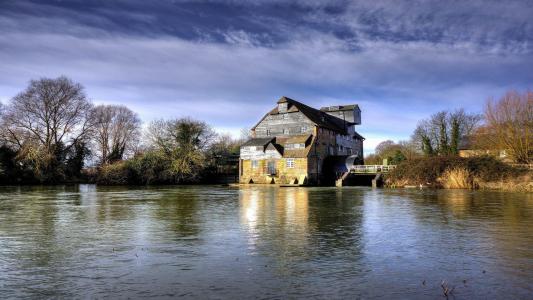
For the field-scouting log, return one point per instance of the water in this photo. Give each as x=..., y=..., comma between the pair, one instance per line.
x=264, y=242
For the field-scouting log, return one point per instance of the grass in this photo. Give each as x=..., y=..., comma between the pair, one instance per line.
x=457, y=178
x=455, y=172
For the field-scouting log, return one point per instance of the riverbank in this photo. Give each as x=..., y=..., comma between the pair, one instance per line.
x=461, y=173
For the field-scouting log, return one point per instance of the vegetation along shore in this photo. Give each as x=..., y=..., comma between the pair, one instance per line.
x=51, y=133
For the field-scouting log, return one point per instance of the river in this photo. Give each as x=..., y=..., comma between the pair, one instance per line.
x=264, y=242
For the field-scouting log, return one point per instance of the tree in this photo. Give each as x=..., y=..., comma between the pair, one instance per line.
x=116, y=131
x=246, y=134
x=183, y=142
x=442, y=132
x=44, y=122
x=394, y=153
x=509, y=126
x=409, y=149
x=225, y=144
x=385, y=148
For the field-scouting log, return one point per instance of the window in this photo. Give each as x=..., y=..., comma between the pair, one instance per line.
x=331, y=150
x=349, y=151
x=286, y=131
x=268, y=132
x=290, y=163
x=295, y=146
x=285, y=116
x=303, y=129
x=255, y=164
x=271, y=167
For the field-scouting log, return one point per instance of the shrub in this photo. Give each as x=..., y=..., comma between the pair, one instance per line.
x=457, y=178
x=431, y=170
x=150, y=168
x=113, y=174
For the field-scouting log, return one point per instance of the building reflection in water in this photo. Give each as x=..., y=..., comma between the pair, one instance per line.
x=280, y=215
x=294, y=229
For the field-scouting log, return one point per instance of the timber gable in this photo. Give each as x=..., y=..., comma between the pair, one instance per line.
x=290, y=142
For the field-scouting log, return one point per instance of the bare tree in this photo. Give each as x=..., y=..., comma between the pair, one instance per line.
x=441, y=133
x=393, y=152
x=48, y=113
x=47, y=125
x=384, y=147
x=246, y=134
x=509, y=125
x=116, y=131
x=409, y=149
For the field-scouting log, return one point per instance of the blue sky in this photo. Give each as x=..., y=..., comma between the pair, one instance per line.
x=227, y=62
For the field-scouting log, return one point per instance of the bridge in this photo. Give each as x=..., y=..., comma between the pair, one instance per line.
x=375, y=171
x=371, y=169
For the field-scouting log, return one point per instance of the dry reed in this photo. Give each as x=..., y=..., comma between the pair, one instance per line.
x=457, y=178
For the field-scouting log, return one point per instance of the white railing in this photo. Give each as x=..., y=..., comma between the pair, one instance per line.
x=371, y=169
x=524, y=166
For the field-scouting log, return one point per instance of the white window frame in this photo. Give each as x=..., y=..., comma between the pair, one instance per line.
x=290, y=163
x=286, y=131
x=255, y=163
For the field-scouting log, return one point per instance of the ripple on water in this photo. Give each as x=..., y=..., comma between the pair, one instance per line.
x=205, y=242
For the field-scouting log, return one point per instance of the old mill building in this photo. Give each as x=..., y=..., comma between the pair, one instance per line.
x=295, y=143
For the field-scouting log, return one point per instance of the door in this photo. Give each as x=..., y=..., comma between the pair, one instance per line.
x=271, y=167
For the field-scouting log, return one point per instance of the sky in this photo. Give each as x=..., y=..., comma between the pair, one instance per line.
x=228, y=62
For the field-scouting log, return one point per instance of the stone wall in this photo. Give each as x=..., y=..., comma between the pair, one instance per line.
x=284, y=174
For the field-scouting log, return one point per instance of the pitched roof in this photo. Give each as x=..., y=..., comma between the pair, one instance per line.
x=318, y=117
x=357, y=135
x=294, y=139
x=258, y=142
x=275, y=147
x=340, y=107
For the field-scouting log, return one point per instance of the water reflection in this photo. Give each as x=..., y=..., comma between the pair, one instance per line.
x=281, y=213
x=218, y=242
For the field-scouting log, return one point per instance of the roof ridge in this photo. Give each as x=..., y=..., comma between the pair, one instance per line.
x=323, y=115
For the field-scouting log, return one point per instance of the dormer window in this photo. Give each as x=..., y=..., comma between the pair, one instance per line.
x=282, y=107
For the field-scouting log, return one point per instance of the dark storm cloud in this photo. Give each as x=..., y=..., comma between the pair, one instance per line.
x=400, y=60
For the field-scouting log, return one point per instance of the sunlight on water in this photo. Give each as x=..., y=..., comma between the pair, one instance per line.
x=264, y=242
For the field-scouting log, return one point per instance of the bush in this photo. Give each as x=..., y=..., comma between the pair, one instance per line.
x=457, y=178
x=149, y=168
x=113, y=174
x=432, y=170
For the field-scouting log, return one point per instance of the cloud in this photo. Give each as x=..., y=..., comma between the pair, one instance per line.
x=230, y=72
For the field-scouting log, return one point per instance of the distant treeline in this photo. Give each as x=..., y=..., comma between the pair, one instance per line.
x=51, y=131
x=461, y=150
x=506, y=126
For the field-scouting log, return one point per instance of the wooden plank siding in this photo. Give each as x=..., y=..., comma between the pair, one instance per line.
x=277, y=125
x=286, y=133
